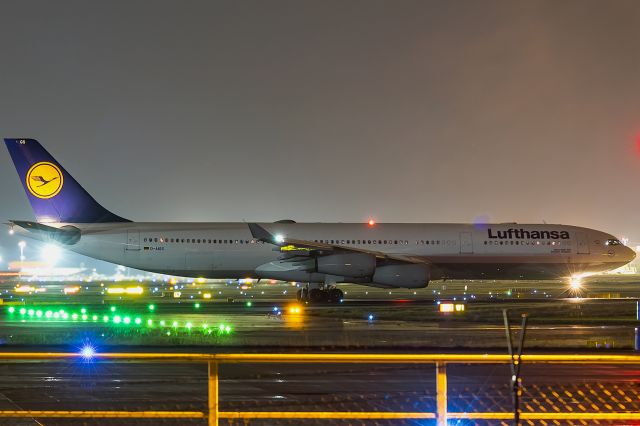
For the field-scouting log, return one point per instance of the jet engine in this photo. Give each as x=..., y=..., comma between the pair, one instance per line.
x=356, y=265
x=405, y=276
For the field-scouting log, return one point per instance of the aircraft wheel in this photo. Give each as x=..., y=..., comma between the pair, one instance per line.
x=335, y=295
x=316, y=295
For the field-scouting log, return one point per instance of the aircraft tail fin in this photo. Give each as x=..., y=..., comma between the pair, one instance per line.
x=55, y=196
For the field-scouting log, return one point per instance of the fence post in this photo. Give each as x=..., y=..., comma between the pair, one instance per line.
x=213, y=393
x=441, y=394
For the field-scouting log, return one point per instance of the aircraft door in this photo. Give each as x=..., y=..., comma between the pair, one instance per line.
x=466, y=243
x=133, y=241
x=583, y=243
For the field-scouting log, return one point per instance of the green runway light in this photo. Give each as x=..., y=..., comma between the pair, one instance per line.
x=56, y=315
x=105, y=319
x=23, y=311
x=127, y=320
x=227, y=329
x=12, y=309
x=189, y=325
x=113, y=309
x=83, y=311
x=84, y=317
x=249, y=304
x=138, y=321
x=205, y=326
x=152, y=307
x=48, y=314
x=117, y=319
x=94, y=318
x=65, y=316
x=149, y=323
x=162, y=323
x=221, y=327
x=197, y=306
x=168, y=333
x=74, y=317
x=175, y=323
x=39, y=313
x=30, y=312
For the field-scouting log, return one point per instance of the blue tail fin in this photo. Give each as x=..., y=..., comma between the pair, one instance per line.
x=54, y=194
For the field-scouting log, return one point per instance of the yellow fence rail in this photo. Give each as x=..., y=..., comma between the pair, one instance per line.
x=213, y=413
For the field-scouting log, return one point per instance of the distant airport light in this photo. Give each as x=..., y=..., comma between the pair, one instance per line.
x=51, y=254
x=449, y=307
x=206, y=295
x=575, y=283
x=88, y=352
x=279, y=238
x=12, y=309
x=370, y=317
x=197, y=306
x=446, y=307
x=371, y=222
x=294, y=310
x=152, y=307
x=71, y=289
x=249, y=304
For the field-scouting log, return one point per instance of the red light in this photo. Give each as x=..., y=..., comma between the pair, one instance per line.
x=371, y=222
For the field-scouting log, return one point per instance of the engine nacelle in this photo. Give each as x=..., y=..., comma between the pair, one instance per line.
x=356, y=265
x=405, y=276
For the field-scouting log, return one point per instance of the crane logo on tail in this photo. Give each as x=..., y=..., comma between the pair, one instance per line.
x=44, y=180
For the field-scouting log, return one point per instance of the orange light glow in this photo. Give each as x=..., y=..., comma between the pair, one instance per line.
x=446, y=307
x=371, y=222
x=72, y=289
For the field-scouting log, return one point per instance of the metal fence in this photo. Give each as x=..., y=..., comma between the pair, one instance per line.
x=213, y=414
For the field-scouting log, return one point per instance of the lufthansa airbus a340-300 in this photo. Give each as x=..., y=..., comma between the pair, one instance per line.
x=389, y=255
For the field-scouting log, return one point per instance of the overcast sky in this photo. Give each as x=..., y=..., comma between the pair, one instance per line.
x=404, y=111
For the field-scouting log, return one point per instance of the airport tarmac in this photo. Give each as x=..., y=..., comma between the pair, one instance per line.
x=257, y=322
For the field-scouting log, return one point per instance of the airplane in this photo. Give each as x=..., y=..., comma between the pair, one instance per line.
x=321, y=255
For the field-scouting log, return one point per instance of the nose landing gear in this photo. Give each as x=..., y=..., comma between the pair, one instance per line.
x=320, y=295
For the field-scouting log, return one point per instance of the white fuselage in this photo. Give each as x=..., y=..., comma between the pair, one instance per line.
x=453, y=251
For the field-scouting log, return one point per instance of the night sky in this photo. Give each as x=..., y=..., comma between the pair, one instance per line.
x=426, y=111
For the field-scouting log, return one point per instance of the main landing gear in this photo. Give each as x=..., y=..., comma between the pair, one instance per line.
x=320, y=295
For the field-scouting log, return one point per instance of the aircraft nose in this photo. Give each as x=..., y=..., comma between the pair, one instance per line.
x=628, y=254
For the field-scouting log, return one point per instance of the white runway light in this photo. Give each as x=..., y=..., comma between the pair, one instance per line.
x=51, y=254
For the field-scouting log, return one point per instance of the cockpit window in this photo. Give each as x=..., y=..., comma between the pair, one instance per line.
x=612, y=243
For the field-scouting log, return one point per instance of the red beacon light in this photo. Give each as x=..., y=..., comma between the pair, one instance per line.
x=371, y=222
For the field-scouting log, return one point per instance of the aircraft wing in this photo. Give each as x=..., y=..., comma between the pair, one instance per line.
x=292, y=248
